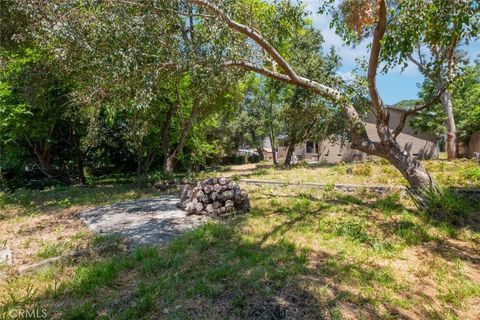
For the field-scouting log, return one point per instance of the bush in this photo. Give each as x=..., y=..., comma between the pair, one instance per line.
x=443, y=204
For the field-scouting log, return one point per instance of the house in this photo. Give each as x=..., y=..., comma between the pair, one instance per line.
x=420, y=144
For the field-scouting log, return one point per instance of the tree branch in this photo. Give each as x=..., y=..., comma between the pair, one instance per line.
x=374, y=58
x=357, y=127
x=250, y=33
x=415, y=110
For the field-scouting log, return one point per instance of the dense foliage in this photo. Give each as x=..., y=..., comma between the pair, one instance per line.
x=134, y=86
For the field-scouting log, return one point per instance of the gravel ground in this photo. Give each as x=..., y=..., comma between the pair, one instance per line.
x=143, y=222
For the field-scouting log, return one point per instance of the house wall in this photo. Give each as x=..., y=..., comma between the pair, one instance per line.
x=421, y=145
x=474, y=144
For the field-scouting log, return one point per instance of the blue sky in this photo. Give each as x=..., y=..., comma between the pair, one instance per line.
x=394, y=86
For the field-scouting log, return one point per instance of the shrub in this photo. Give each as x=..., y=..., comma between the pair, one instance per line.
x=443, y=204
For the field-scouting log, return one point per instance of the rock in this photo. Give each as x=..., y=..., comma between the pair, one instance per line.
x=227, y=195
x=229, y=206
x=214, y=195
x=206, y=199
x=221, y=211
x=246, y=203
x=213, y=214
x=198, y=207
x=186, y=192
x=208, y=188
x=238, y=199
x=236, y=190
x=6, y=256
x=214, y=198
x=223, y=181
x=190, y=208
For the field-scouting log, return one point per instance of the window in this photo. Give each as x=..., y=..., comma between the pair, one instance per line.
x=309, y=148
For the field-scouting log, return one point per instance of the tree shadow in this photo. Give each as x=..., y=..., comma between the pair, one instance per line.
x=214, y=272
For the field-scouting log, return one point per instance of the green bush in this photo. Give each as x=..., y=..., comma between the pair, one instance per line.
x=443, y=204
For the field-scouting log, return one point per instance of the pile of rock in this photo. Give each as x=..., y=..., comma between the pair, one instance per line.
x=213, y=197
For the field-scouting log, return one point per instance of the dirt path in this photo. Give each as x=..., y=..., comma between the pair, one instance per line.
x=143, y=222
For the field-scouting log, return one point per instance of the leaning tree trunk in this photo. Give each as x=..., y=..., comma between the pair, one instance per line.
x=411, y=168
x=451, y=142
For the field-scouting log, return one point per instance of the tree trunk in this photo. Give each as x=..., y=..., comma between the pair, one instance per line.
x=170, y=163
x=274, y=151
x=290, y=150
x=170, y=160
x=451, y=143
x=80, y=167
x=411, y=168
x=260, y=153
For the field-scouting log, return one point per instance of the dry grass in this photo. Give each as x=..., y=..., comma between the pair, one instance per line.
x=458, y=173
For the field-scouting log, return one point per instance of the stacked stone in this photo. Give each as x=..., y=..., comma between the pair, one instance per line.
x=213, y=197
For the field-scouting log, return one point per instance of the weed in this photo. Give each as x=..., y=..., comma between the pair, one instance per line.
x=49, y=250
x=390, y=203
x=443, y=204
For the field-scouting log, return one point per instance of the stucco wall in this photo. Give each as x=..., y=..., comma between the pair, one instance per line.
x=474, y=143
x=421, y=145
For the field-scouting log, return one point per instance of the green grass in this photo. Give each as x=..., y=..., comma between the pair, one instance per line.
x=303, y=253
x=49, y=250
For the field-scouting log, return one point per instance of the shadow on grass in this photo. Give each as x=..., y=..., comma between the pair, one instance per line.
x=214, y=272
x=219, y=272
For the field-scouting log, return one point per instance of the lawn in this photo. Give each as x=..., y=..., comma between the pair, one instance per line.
x=300, y=253
x=458, y=173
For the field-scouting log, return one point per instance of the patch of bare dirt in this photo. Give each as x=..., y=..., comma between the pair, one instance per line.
x=25, y=236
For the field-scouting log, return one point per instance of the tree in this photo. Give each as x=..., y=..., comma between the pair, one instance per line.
x=306, y=116
x=429, y=34
x=37, y=114
x=465, y=95
x=387, y=147
x=123, y=49
x=232, y=39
